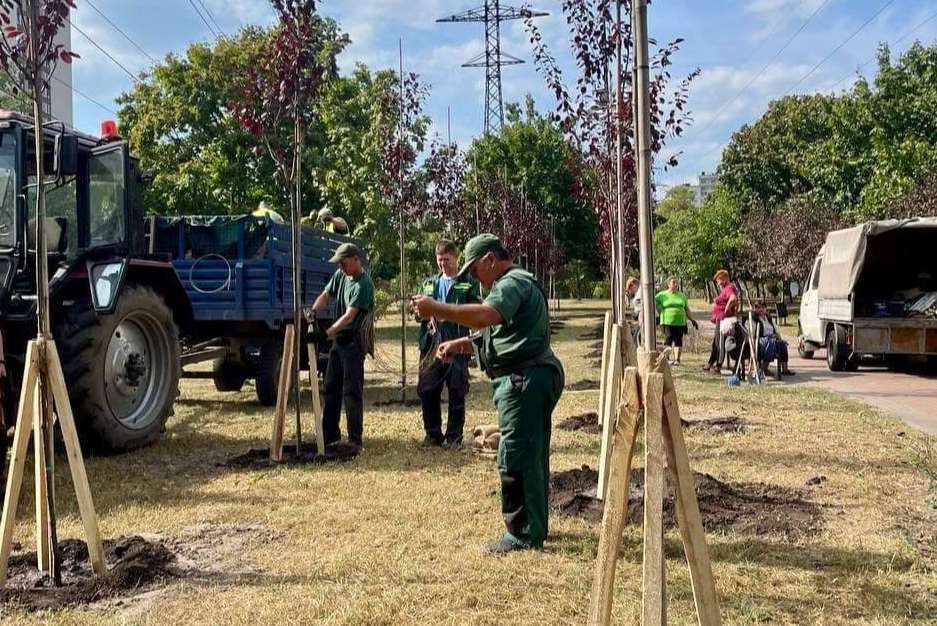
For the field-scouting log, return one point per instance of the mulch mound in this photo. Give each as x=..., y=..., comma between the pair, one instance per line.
x=741, y=508
x=133, y=563
x=717, y=425
x=587, y=423
x=259, y=458
x=583, y=385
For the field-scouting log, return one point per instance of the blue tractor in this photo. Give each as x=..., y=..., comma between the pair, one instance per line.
x=132, y=299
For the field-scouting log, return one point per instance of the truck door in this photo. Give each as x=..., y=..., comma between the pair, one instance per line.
x=810, y=325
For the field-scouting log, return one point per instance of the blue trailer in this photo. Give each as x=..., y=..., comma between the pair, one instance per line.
x=238, y=275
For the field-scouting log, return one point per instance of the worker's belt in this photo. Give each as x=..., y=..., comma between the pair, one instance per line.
x=544, y=359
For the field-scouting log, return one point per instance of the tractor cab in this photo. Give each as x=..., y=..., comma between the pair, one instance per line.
x=115, y=310
x=92, y=209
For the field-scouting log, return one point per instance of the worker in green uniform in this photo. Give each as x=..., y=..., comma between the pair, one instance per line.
x=351, y=286
x=514, y=350
x=435, y=374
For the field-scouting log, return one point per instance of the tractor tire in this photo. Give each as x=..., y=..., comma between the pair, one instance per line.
x=267, y=377
x=122, y=369
x=229, y=375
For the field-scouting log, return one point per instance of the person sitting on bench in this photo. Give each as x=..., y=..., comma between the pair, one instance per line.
x=771, y=346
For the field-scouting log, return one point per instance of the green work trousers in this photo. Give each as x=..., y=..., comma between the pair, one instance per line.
x=525, y=404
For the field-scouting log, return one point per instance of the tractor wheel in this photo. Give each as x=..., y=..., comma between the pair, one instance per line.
x=122, y=369
x=268, y=372
x=229, y=375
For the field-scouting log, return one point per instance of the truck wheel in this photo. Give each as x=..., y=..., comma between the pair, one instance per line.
x=122, y=369
x=268, y=372
x=229, y=375
x=802, y=350
x=837, y=351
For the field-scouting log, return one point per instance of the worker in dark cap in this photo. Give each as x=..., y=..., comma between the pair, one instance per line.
x=514, y=350
x=352, y=288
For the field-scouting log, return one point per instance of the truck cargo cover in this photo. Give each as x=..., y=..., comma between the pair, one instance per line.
x=844, y=253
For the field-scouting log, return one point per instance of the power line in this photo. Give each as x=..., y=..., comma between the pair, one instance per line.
x=118, y=29
x=103, y=51
x=764, y=68
x=83, y=95
x=840, y=46
x=207, y=23
x=926, y=21
x=212, y=18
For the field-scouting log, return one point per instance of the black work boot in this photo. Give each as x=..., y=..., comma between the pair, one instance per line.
x=432, y=441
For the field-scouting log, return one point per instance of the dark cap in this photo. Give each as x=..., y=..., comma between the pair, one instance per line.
x=346, y=251
x=477, y=247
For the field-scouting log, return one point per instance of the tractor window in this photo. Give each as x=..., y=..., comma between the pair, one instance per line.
x=7, y=191
x=61, y=203
x=106, y=196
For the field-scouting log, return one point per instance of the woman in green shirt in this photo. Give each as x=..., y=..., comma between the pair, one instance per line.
x=674, y=311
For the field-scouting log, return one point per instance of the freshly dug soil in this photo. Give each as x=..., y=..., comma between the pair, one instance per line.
x=133, y=564
x=723, y=424
x=587, y=422
x=738, y=508
x=259, y=458
x=583, y=385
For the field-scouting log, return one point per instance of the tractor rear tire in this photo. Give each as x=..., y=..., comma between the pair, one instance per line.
x=267, y=378
x=229, y=375
x=122, y=369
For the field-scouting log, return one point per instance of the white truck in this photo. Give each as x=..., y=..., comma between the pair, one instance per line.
x=872, y=292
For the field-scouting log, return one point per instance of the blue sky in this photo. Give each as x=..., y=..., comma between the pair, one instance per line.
x=730, y=40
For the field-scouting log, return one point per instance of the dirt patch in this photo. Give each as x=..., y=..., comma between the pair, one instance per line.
x=583, y=385
x=723, y=424
x=595, y=354
x=739, y=508
x=595, y=332
x=137, y=566
x=587, y=423
x=557, y=325
x=259, y=458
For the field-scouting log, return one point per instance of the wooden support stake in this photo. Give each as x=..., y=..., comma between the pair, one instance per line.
x=604, y=409
x=687, y=507
x=612, y=391
x=316, y=401
x=43, y=539
x=76, y=464
x=21, y=434
x=283, y=394
x=653, y=598
x=615, y=515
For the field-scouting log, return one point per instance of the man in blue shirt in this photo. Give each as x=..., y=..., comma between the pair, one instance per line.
x=435, y=374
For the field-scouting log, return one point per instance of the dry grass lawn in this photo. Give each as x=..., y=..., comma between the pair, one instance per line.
x=393, y=537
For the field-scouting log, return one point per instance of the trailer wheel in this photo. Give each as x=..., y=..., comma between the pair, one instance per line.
x=837, y=351
x=122, y=369
x=268, y=372
x=229, y=375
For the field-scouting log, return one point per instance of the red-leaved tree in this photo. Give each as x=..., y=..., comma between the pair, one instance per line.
x=587, y=112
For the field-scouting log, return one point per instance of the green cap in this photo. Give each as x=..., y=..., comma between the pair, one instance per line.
x=346, y=251
x=477, y=247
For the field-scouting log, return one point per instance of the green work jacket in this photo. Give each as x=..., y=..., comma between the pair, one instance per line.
x=461, y=292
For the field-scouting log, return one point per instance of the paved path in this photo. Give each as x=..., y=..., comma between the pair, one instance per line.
x=911, y=397
x=908, y=396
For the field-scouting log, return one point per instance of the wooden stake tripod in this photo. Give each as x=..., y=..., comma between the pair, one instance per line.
x=43, y=377
x=284, y=385
x=652, y=389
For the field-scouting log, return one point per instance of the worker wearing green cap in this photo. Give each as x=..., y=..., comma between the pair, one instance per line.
x=352, y=288
x=514, y=350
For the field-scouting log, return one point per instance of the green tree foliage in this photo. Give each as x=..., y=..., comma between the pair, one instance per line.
x=694, y=244
x=677, y=200
x=531, y=154
x=859, y=151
